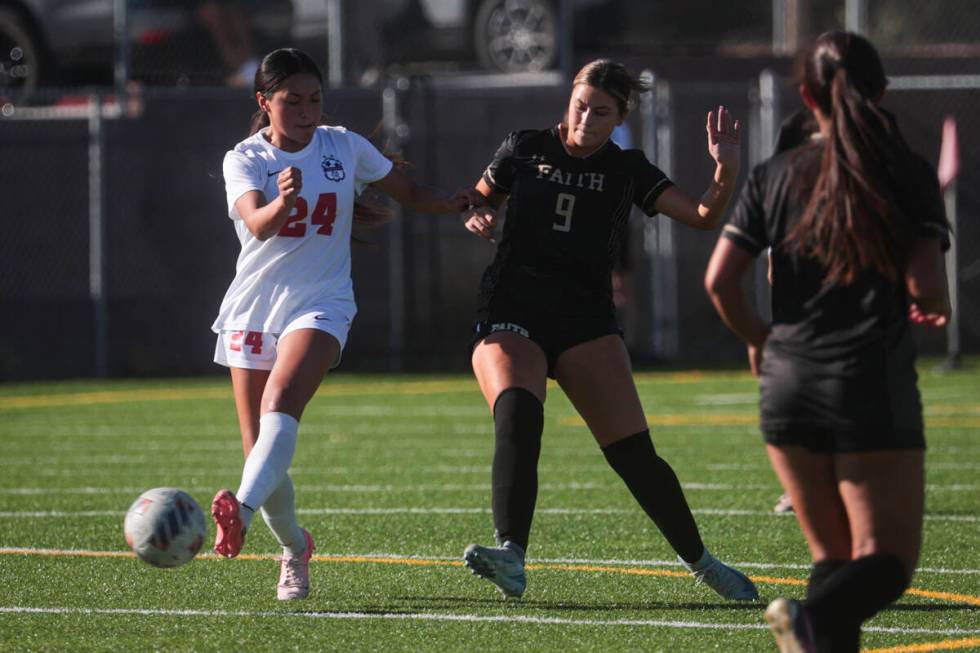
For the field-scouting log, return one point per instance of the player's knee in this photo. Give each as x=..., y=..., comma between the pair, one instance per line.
x=903, y=547
x=518, y=413
x=282, y=399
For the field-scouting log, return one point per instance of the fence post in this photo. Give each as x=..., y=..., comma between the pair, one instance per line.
x=764, y=146
x=952, y=280
x=96, y=232
x=394, y=133
x=335, y=43
x=658, y=234
x=120, y=33
x=856, y=16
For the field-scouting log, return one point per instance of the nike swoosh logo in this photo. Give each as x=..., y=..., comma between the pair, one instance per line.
x=320, y=317
x=275, y=173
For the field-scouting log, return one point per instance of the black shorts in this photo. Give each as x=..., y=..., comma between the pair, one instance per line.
x=554, y=334
x=840, y=408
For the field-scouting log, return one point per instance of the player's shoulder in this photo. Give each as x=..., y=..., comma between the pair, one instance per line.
x=251, y=144
x=629, y=162
x=631, y=157
x=249, y=151
x=337, y=137
x=789, y=162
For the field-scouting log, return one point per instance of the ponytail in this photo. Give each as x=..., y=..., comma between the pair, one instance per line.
x=259, y=121
x=861, y=211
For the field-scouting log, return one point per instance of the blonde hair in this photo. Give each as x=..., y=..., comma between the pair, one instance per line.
x=613, y=78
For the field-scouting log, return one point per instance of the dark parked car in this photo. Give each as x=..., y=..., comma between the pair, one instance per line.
x=71, y=42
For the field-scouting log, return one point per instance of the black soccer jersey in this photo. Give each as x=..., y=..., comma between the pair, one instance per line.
x=811, y=318
x=565, y=219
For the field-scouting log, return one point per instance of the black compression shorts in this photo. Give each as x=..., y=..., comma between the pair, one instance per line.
x=553, y=334
x=832, y=409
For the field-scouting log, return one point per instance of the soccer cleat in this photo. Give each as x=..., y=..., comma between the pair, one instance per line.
x=728, y=582
x=501, y=565
x=791, y=627
x=784, y=505
x=230, y=536
x=294, y=574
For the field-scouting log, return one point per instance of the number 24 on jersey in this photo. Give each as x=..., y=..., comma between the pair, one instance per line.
x=324, y=214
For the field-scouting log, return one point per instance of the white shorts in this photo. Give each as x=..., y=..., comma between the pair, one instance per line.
x=256, y=350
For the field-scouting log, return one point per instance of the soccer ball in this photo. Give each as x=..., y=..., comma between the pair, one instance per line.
x=165, y=527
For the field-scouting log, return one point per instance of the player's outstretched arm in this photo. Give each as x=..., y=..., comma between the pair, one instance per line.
x=423, y=199
x=724, y=147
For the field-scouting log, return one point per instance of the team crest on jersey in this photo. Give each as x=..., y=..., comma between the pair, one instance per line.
x=333, y=169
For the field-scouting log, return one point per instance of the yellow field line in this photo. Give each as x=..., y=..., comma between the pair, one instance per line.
x=744, y=419
x=945, y=596
x=328, y=389
x=214, y=392
x=428, y=562
x=945, y=645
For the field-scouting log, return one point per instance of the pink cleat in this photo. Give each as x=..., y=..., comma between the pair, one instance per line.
x=230, y=538
x=294, y=577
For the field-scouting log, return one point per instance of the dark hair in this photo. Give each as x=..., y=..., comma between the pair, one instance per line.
x=860, y=211
x=613, y=78
x=278, y=66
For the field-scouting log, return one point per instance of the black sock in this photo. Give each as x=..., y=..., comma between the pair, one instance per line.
x=852, y=594
x=655, y=486
x=820, y=572
x=518, y=419
x=845, y=636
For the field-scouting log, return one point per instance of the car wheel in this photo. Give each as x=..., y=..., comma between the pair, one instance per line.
x=21, y=59
x=516, y=35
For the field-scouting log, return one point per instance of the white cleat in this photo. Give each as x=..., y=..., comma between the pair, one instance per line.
x=294, y=573
x=790, y=626
x=728, y=582
x=501, y=565
x=784, y=505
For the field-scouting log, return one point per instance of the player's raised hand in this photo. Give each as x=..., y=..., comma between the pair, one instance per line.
x=724, y=138
x=290, y=183
x=481, y=220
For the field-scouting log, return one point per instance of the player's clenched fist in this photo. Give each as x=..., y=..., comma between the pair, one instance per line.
x=290, y=184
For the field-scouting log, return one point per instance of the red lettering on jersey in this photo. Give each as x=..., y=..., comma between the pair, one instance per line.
x=254, y=340
x=293, y=228
x=325, y=213
x=236, y=341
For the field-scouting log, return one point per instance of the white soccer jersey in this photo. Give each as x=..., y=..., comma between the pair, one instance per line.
x=308, y=262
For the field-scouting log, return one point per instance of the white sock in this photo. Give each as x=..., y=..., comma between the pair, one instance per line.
x=268, y=463
x=279, y=512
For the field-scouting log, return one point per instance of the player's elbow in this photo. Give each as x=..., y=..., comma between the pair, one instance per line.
x=708, y=220
x=261, y=234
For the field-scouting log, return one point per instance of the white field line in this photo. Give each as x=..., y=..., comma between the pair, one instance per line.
x=725, y=512
x=430, y=616
x=367, y=488
x=749, y=467
x=371, y=488
x=535, y=560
